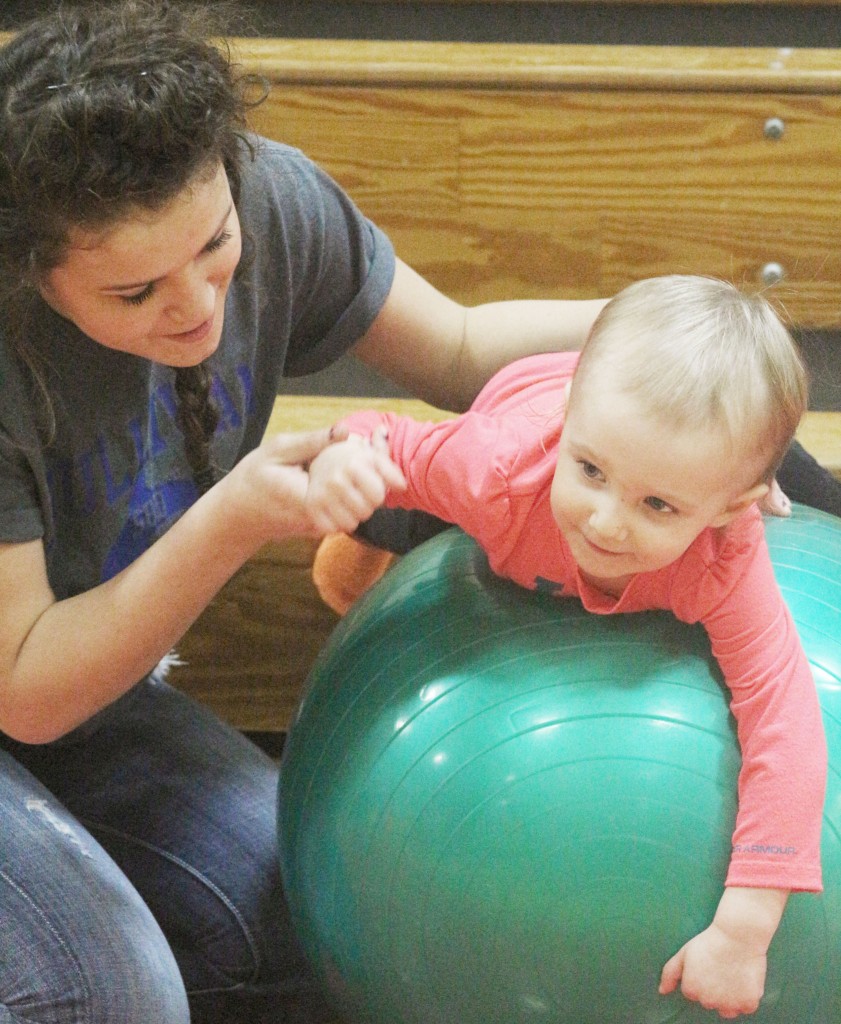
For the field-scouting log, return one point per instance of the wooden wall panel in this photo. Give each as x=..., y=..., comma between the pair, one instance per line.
x=503, y=192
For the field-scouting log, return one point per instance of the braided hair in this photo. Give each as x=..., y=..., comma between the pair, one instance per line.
x=197, y=418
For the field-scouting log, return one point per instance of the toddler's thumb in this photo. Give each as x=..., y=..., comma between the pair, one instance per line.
x=671, y=974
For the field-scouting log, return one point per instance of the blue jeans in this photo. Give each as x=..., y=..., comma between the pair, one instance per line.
x=139, y=879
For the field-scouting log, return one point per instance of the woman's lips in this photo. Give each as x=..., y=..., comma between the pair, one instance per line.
x=196, y=334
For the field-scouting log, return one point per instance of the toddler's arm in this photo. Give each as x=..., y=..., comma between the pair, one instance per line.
x=776, y=840
x=723, y=968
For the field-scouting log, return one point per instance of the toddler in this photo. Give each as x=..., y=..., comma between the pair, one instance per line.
x=628, y=478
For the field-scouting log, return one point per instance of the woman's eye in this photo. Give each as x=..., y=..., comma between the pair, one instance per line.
x=218, y=242
x=589, y=470
x=140, y=297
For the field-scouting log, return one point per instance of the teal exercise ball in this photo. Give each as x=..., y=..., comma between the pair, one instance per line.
x=496, y=808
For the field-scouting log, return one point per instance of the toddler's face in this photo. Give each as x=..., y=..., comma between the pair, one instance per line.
x=630, y=493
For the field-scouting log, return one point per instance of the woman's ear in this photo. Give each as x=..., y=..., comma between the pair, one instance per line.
x=738, y=505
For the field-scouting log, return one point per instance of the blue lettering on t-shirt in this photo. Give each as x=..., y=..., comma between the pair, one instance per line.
x=151, y=509
x=148, y=477
x=114, y=488
x=229, y=415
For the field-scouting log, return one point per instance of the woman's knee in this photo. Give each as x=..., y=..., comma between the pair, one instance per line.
x=79, y=944
x=86, y=961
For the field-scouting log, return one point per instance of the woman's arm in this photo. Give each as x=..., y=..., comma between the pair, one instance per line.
x=444, y=353
x=61, y=661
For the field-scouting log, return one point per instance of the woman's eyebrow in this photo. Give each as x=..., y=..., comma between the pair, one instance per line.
x=144, y=284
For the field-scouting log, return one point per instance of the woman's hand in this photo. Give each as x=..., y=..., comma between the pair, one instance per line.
x=264, y=497
x=349, y=480
x=307, y=484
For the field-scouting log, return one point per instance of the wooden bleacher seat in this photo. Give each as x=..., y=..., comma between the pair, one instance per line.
x=504, y=170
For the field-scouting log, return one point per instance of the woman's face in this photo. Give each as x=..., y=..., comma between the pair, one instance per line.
x=155, y=284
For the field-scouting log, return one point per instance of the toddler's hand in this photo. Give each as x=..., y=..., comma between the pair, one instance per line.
x=718, y=972
x=349, y=480
x=724, y=967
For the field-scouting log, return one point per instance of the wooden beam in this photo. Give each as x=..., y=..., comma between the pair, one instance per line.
x=534, y=66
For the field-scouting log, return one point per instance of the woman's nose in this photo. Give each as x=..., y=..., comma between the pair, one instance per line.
x=191, y=301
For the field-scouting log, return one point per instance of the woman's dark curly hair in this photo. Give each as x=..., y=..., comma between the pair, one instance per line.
x=106, y=109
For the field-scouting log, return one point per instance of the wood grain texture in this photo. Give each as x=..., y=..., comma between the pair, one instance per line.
x=552, y=66
x=506, y=171
x=820, y=435
x=249, y=653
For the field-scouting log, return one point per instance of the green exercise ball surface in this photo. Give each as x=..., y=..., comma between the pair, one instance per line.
x=496, y=808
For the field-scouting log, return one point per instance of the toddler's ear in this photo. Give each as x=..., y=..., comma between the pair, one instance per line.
x=738, y=505
x=776, y=502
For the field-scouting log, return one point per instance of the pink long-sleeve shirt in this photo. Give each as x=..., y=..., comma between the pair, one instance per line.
x=490, y=472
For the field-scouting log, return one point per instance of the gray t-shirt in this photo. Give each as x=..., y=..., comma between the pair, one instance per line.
x=115, y=477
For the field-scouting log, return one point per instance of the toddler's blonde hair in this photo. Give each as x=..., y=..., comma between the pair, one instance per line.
x=699, y=352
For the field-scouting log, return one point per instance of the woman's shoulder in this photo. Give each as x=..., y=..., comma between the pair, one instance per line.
x=273, y=173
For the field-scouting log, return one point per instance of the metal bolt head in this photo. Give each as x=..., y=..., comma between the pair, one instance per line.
x=774, y=128
x=772, y=273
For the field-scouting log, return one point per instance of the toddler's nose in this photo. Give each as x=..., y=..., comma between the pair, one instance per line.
x=606, y=521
